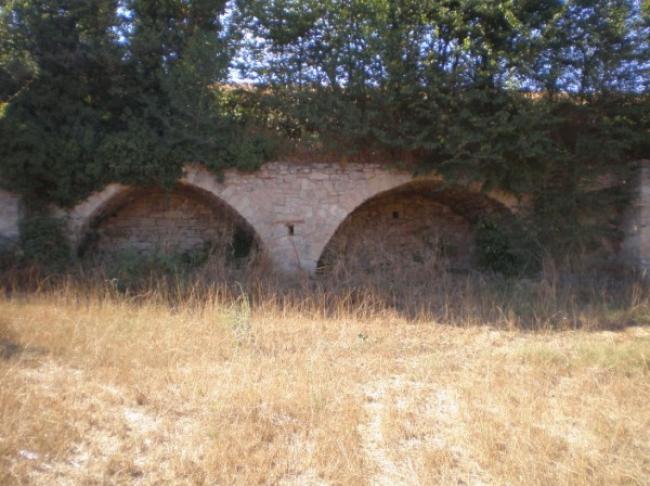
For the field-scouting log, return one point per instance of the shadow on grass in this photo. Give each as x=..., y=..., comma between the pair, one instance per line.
x=424, y=293
x=11, y=348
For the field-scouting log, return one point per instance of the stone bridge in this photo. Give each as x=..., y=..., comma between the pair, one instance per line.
x=292, y=210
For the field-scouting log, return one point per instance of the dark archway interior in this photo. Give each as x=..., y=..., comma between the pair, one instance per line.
x=418, y=224
x=184, y=220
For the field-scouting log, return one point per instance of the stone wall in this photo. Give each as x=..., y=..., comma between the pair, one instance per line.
x=154, y=221
x=635, y=249
x=294, y=209
x=402, y=229
x=9, y=218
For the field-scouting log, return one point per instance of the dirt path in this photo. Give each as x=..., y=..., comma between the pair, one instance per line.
x=388, y=472
x=439, y=427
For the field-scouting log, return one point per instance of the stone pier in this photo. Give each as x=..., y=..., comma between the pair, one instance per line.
x=293, y=209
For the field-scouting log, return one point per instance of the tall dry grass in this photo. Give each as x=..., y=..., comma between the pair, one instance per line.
x=363, y=280
x=429, y=378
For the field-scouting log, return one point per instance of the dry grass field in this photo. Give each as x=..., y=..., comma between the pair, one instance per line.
x=105, y=387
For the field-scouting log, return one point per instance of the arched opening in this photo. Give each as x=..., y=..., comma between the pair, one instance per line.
x=419, y=226
x=185, y=222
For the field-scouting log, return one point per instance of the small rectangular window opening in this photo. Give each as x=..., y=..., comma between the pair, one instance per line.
x=291, y=229
x=395, y=214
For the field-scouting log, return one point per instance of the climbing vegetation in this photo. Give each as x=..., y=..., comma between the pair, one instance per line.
x=114, y=91
x=544, y=99
x=548, y=99
x=43, y=241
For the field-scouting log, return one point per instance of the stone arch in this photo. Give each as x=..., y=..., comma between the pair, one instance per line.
x=144, y=219
x=294, y=208
x=414, y=218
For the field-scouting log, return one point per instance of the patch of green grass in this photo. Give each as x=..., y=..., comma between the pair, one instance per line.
x=622, y=357
x=627, y=357
x=633, y=316
x=239, y=318
x=544, y=355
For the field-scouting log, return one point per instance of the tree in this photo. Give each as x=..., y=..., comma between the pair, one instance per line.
x=62, y=59
x=533, y=97
x=114, y=91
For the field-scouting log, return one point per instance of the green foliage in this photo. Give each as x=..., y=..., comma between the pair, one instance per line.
x=534, y=97
x=97, y=93
x=505, y=249
x=43, y=241
x=625, y=358
x=130, y=270
x=239, y=318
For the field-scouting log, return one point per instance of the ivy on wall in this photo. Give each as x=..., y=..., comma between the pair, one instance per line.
x=539, y=98
x=114, y=91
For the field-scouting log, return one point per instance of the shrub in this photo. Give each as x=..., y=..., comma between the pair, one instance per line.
x=505, y=249
x=43, y=241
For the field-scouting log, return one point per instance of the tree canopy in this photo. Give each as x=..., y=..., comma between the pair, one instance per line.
x=535, y=97
x=113, y=90
x=541, y=98
x=459, y=84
